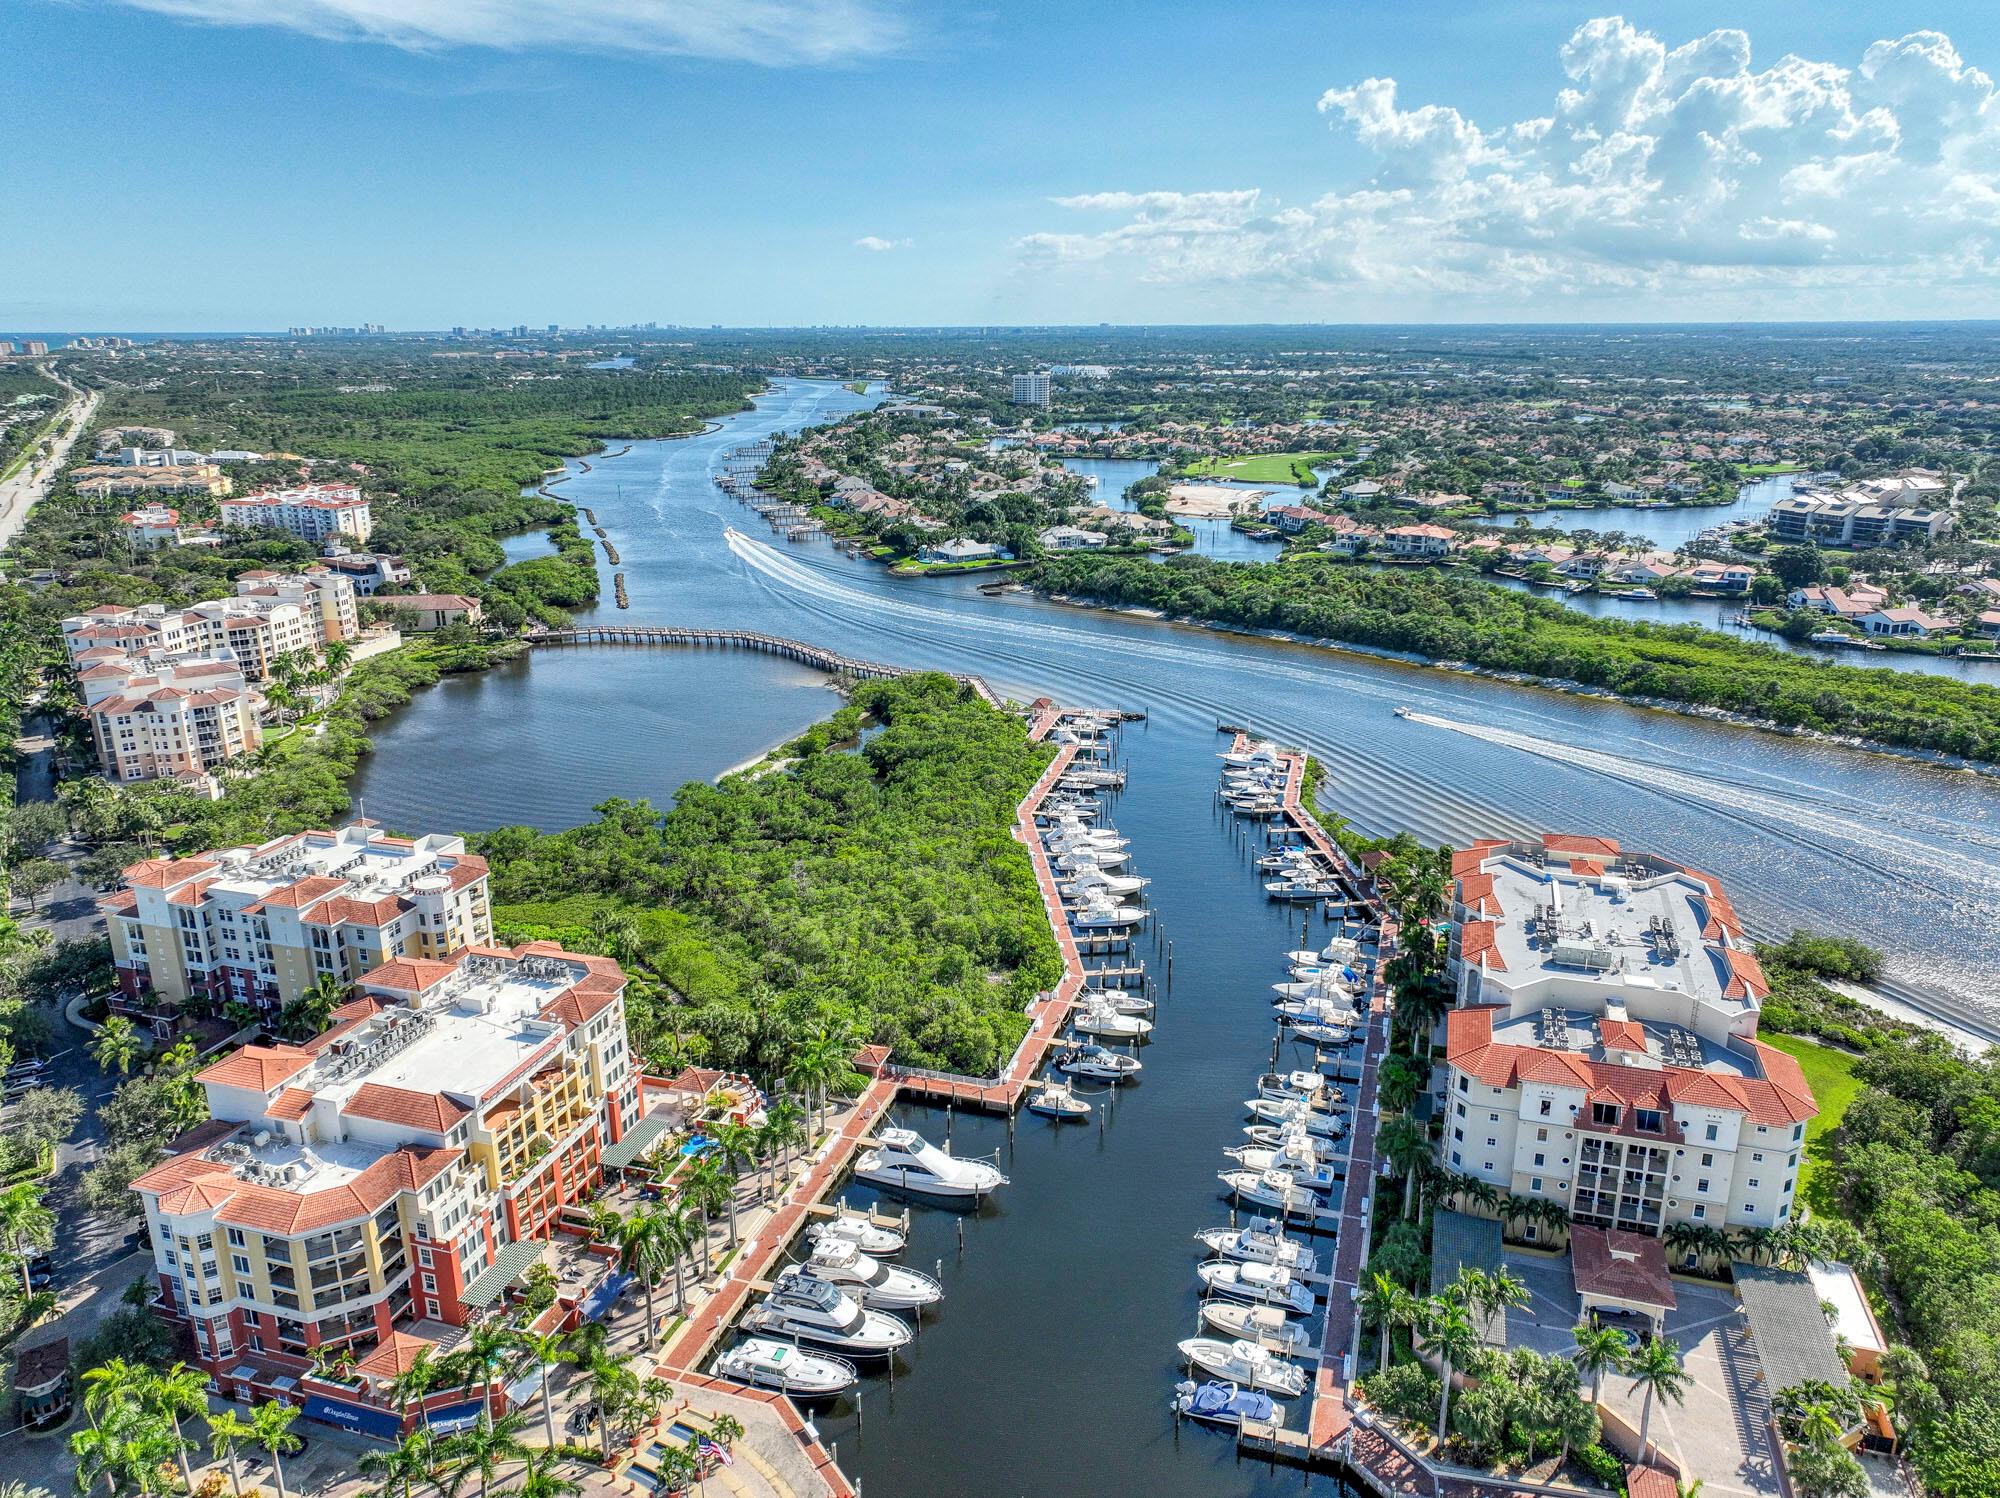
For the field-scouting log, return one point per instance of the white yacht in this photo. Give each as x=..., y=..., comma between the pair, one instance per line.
x=1124, y=1000
x=1292, y=1141
x=1264, y=1324
x=855, y=1228
x=1076, y=860
x=902, y=1158
x=1263, y=752
x=814, y=1311
x=1260, y=1284
x=1286, y=1191
x=1270, y=1136
x=1247, y=1364
x=887, y=1287
x=1055, y=1100
x=1072, y=837
x=1092, y=880
x=1100, y=1021
x=1304, y=887
x=1104, y=915
x=1297, y=1154
x=766, y=1363
x=1328, y=986
x=1318, y=1034
x=1313, y=1086
x=1297, y=1115
x=1259, y=1246
x=1097, y=1063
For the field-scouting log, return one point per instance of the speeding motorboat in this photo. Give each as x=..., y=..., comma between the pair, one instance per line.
x=1247, y=1364
x=1216, y=1403
x=1264, y=1324
x=887, y=1287
x=1260, y=1284
x=856, y=1228
x=1100, y=1021
x=1259, y=1246
x=1097, y=1063
x=765, y=1363
x=1055, y=1100
x=812, y=1310
x=904, y=1160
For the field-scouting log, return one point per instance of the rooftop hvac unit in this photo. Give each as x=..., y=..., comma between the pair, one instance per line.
x=261, y=1138
x=1584, y=954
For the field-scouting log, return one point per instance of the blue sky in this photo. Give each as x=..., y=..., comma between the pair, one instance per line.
x=846, y=161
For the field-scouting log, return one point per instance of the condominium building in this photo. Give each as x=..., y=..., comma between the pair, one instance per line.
x=1604, y=1054
x=152, y=525
x=373, y=1188
x=272, y=615
x=311, y=513
x=167, y=719
x=1032, y=390
x=104, y=481
x=261, y=925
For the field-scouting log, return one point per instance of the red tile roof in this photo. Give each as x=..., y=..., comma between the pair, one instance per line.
x=1627, y=1266
x=408, y=974
x=1565, y=842
x=290, y=1105
x=260, y=1068
x=1622, y=1034
x=1478, y=942
x=301, y=893
x=397, y=1105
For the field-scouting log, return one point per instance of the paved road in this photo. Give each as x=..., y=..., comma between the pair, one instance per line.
x=24, y=491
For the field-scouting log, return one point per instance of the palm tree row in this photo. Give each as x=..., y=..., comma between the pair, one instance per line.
x=136, y=1418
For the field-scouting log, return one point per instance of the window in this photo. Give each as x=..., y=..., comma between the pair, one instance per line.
x=1491, y=1143
x=236, y=1237
x=1708, y=1159
x=1458, y=1134
x=1493, y=1118
x=430, y=1283
x=1751, y=1183
x=1545, y=1108
x=1650, y=1120
x=1798, y=1132
x=240, y=1264
x=424, y=1257
x=1700, y=1211
x=1788, y=1188
x=1757, y=1157
x=1463, y=1085
x=1539, y=1160
x=1702, y=1185
x=1712, y=1134
x=1535, y=1184
x=1461, y=1110
x=1454, y=1158
x=1604, y=1113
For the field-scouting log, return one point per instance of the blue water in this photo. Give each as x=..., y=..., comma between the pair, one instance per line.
x=1212, y=538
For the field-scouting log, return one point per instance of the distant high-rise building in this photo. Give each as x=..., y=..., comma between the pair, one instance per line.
x=6, y=348
x=1031, y=390
x=553, y=328
x=36, y=346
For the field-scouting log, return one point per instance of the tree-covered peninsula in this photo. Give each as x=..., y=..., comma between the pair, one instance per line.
x=1460, y=619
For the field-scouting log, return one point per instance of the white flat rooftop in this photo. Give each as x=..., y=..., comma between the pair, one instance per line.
x=1627, y=933
x=378, y=868
x=289, y=1166
x=464, y=1046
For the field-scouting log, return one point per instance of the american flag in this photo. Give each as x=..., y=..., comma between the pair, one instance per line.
x=720, y=1452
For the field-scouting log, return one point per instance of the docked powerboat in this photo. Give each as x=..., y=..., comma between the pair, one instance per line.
x=1055, y=1100
x=1259, y=1246
x=1305, y=1084
x=1316, y=1148
x=1092, y=882
x=887, y=1287
x=1284, y=1191
x=1300, y=889
x=766, y=1363
x=855, y=1228
x=1124, y=1000
x=1105, y=915
x=1263, y=752
x=1216, y=1403
x=1297, y=1156
x=1321, y=1010
x=1098, y=1063
x=1318, y=1034
x=903, y=1159
x=1297, y=1115
x=1328, y=986
x=1246, y=1364
x=812, y=1310
x=1100, y=1021
x=1259, y=1284
x=1263, y=1324
x=1076, y=860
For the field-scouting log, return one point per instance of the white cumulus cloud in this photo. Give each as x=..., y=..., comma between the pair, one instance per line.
x=876, y=244
x=1659, y=176
x=774, y=32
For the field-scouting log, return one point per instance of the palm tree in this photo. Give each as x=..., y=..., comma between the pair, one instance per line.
x=613, y=1386
x=1656, y=1367
x=645, y=1249
x=111, y=1384
x=680, y=1228
x=271, y=1428
x=738, y=1142
x=116, y=1045
x=337, y=654
x=1390, y=1305
x=547, y=1349
x=399, y=1468
x=178, y=1393
x=1598, y=1349
x=1449, y=1333
x=483, y=1449
x=1405, y=1144
x=727, y=1429
x=786, y=1121
x=1755, y=1243
x=311, y=1012
x=226, y=1432
x=416, y=1382
x=487, y=1345
x=709, y=1187
x=128, y=1447
x=541, y=1479
x=26, y=1223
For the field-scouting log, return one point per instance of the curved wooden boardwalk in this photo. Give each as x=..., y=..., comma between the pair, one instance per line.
x=831, y=661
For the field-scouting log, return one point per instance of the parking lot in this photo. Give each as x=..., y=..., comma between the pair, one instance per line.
x=1718, y=1432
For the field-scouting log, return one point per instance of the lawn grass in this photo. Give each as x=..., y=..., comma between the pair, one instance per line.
x=1263, y=468
x=1831, y=1076
x=1765, y=470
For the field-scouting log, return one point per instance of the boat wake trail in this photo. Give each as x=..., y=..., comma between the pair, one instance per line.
x=1893, y=855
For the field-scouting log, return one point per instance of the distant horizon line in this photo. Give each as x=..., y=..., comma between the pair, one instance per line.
x=998, y=328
